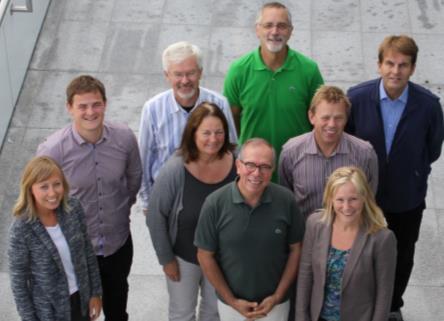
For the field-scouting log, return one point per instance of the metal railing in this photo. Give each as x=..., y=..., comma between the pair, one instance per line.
x=25, y=6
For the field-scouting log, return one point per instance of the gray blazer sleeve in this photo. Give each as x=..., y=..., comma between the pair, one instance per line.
x=305, y=275
x=20, y=272
x=385, y=265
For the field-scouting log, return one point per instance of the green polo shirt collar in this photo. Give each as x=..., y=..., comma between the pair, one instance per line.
x=239, y=199
x=258, y=63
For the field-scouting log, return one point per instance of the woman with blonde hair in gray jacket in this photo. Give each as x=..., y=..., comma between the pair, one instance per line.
x=53, y=268
x=348, y=259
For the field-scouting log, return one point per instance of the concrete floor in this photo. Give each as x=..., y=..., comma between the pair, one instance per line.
x=120, y=42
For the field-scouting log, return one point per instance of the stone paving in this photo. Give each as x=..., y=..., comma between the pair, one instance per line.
x=121, y=41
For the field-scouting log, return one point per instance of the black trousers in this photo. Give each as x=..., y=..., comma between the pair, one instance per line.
x=406, y=227
x=292, y=297
x=76, y=310
x=114, y=271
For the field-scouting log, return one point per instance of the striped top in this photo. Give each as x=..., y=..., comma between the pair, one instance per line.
x=160, y=132
x=305, y=170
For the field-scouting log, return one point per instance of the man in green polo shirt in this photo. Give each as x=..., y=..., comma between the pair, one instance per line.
x=270, y=88
x=249, y=239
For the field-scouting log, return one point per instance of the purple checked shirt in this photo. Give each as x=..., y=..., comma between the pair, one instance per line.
x=104, y=176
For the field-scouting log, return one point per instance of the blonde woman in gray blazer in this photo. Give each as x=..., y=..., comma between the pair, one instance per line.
x=53, y=268
x=348, y=257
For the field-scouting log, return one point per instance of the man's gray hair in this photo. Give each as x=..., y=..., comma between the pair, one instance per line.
x=178, y=52
x=256, y=142
x=276, y=5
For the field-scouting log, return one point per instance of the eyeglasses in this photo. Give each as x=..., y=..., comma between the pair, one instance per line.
x=280, y=26
x=190, y=74
x=251, y=167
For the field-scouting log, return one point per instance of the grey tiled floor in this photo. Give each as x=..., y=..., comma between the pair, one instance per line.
x=120, y=41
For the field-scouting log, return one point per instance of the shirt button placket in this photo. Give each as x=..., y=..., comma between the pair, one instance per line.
x=99, y=192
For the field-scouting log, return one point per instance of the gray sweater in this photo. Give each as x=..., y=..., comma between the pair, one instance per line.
x=38, y=279
x=164, y=206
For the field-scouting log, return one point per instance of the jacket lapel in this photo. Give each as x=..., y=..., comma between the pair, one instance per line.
x=324, y=246
x=355, y=253
x=378, y=122
x=67, y=226
x=410, y=107
x=46, y=240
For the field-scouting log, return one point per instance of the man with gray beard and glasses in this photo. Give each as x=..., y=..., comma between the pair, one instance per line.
x=164, y=116
x=270, y=88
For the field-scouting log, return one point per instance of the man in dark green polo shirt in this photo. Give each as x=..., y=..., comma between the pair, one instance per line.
x=249, y=239
x=270, y=88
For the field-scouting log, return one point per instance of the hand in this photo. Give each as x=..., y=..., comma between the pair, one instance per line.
x=171, y=270
x=145, y=211
x=266, y=305
x=247, y=309
x=95, y=306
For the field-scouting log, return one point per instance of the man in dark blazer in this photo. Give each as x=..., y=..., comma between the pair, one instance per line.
x=404, y=123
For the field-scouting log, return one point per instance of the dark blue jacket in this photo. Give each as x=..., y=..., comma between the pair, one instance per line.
x=417, y=143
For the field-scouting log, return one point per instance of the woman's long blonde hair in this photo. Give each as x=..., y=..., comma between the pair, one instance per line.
x=372, y=216
x=37, y=170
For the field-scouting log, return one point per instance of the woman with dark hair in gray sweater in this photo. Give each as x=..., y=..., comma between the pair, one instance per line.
x=203, y=163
